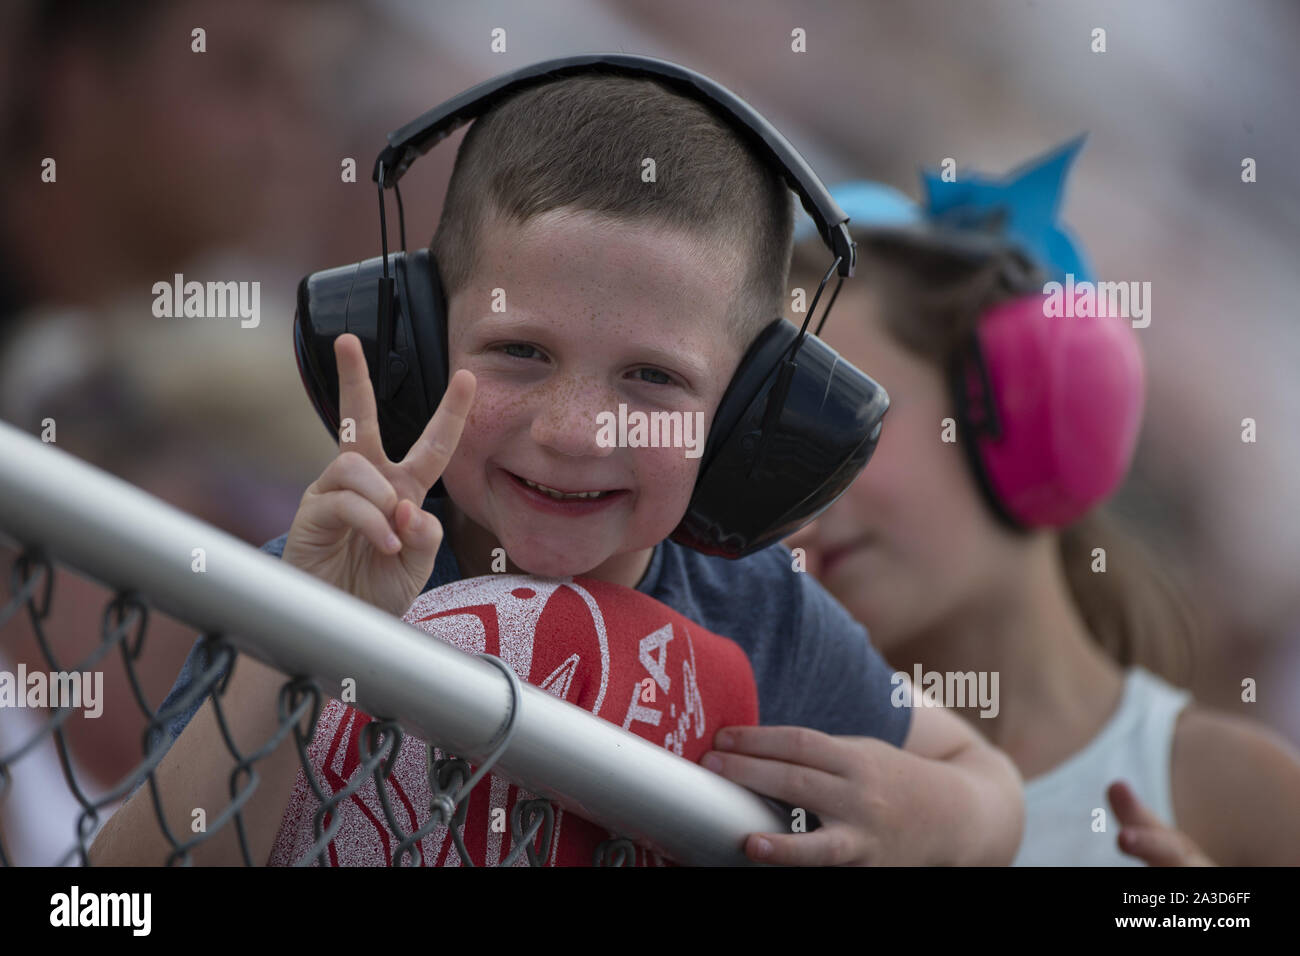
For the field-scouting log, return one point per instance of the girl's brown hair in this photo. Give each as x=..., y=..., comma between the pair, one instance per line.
x=930, y=290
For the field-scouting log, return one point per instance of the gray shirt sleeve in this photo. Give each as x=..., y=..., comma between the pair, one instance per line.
x=837, y=681
x=814, y=665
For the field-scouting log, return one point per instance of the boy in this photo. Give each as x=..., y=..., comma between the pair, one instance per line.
x=617, y=289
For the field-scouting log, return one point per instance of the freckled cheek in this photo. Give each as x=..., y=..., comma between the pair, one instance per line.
x=480, y=440
x=492, y=415
x=666, y=476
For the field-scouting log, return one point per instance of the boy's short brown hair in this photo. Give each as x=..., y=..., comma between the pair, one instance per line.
x=581, y=142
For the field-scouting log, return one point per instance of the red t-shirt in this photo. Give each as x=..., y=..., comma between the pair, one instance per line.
x=589, y=642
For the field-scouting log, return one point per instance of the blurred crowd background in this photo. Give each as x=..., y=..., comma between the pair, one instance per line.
x=225, y=165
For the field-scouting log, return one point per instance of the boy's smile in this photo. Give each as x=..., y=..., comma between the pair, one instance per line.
x=566, y=317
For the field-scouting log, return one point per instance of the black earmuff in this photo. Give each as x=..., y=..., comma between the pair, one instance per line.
x=346, y=299
x=787, y=440
x=794, y=428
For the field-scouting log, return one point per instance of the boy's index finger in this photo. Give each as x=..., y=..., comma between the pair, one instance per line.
x=429, y=455
x=358, y=414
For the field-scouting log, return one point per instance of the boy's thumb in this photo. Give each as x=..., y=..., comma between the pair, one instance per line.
x=420, y=542
x=418, y=530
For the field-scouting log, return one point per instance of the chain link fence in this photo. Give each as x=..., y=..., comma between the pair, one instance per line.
x=125, y=618
x=282, y=616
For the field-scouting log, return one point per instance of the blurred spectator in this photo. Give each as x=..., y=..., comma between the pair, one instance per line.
x=160, y=154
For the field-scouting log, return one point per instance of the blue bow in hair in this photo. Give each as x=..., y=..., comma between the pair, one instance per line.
x=1021, y=206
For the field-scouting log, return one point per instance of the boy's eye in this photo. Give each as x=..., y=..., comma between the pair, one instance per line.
x=519, y=350
x=656, y=376
x=522, y=350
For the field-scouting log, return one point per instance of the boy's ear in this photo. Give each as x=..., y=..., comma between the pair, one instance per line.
x=787, y=439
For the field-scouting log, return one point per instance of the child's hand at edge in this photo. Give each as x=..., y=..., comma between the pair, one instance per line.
x=878, y=804
x=1147, y=837
x=360, y=525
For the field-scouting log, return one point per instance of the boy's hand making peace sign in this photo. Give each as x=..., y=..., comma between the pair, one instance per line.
x=359, y=525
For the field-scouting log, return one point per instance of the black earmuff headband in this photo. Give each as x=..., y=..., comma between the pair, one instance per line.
x=417, y=137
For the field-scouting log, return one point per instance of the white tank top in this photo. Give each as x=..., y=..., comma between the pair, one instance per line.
x=1135, y=745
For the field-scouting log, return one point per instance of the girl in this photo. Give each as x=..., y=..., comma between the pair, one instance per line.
x=947, y=579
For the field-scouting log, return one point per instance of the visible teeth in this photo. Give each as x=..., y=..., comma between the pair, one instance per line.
x=562, y=496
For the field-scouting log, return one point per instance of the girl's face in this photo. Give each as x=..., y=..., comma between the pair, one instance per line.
x=911, y=540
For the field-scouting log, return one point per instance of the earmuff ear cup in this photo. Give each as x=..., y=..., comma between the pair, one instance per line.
x=1069, y=395
x=346, y=299
x=765, y=473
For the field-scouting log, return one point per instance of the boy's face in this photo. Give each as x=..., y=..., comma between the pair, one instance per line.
x=565, y=317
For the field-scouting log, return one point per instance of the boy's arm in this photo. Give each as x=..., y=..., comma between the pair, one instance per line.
x=987, y=791
x=132, y=835
x=195, y=774
x=946, y=797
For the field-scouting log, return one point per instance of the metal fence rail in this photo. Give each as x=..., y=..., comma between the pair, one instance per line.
x=58, y=507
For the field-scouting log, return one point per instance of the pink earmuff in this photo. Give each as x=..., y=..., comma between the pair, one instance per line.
x=1068, y=395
